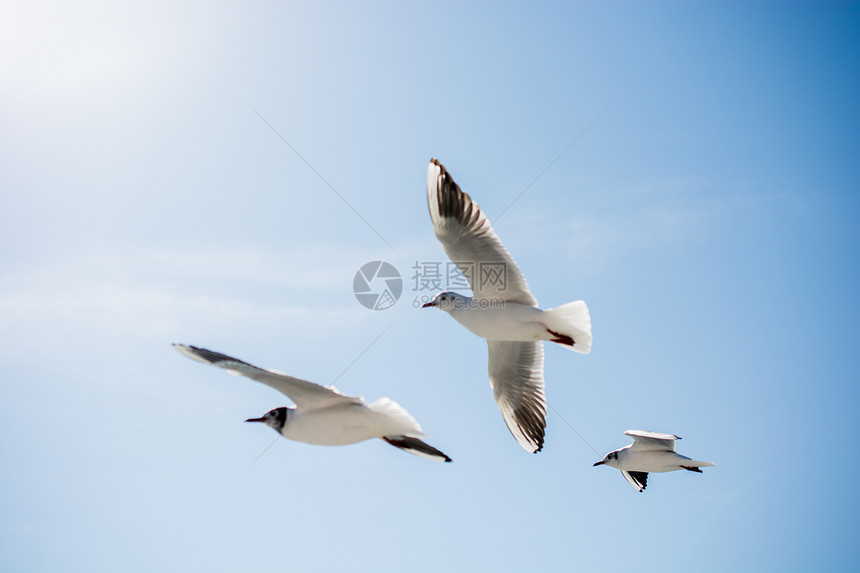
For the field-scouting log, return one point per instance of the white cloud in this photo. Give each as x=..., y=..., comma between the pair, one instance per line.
x=155, y=292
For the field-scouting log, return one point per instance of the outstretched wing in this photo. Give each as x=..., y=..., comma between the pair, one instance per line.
x=639, y=480
x=471, y=243
x=643, y=440
x=516, y=376
x=306, y=395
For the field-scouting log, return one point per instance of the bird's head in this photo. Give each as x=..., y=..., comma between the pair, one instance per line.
x=611, y=460
x=448, y=301
x=275, y=419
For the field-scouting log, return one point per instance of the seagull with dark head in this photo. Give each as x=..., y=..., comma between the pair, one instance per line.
x=322, y=415
x=649, y=452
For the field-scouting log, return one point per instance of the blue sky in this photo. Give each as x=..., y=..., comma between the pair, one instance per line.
x=708, y=216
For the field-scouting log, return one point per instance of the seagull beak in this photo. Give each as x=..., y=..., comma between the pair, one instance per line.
x=431, y=303
x=254, y=420
x=600, y=463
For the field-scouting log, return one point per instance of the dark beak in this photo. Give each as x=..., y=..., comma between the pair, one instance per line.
x=600, y=463
x=254, y=420
x=431, y=303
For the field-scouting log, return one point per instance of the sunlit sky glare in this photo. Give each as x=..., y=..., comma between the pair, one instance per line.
x=215, y=175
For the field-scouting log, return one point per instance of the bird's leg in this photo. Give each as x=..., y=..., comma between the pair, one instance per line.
x=560, y=338
x=691, y=469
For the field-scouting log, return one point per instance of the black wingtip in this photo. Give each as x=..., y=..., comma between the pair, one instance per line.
x=416, y=446
x=208, y=356
x=641, y=478
x=531, y=423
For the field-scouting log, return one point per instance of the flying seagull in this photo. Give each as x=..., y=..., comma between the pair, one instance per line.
x=502, y=310
x=322, y=415
x=649, y=452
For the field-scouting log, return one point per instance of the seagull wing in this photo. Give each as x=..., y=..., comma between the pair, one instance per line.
x=639, y=480
x=306, y=395
x=516, y=376
x=643, y=440
x=471, y=243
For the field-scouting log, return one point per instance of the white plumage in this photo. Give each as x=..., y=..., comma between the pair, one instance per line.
x=649, y=452
x=322, y=415
x=502, y=310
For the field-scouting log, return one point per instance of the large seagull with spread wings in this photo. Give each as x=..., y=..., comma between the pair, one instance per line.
x=502, y=309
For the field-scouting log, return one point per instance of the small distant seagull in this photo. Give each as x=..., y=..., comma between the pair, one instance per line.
x=324, y=416
x=503, y=310
x=649, y=452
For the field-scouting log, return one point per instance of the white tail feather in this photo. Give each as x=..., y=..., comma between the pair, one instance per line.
x=407, y=424
x=573, y=320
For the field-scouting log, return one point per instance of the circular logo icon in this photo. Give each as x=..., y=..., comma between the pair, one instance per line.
x=377, y=285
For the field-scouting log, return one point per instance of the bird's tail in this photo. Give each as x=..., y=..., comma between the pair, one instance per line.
x=694, y=465
x=403, y=420
x=570, y=325
x=415, y=446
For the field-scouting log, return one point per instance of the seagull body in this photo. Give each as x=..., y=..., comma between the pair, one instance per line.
x=346, y=424
x=502, y=321
x=503, y=310
x=324, y=416
x=649, y=452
